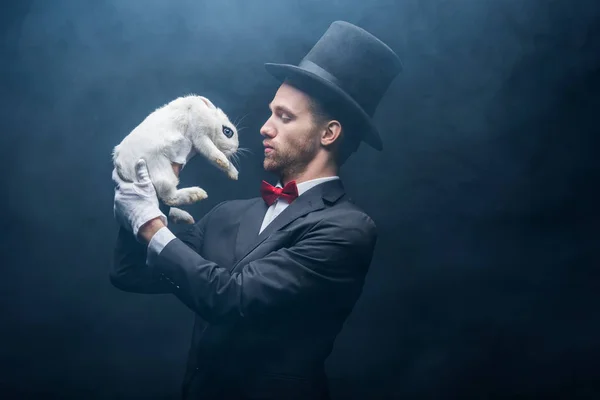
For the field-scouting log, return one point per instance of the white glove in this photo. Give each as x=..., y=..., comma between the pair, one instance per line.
x=136, y=202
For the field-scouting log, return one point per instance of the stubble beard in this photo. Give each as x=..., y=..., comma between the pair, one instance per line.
x=286, y=164
x=280, y=164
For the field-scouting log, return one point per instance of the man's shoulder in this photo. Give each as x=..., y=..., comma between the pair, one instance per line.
x=347, y=215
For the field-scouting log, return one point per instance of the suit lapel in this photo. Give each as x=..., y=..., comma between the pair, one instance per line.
x=312, y=200
x=249, y=226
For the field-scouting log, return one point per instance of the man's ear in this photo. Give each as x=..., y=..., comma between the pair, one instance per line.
x=207, y=102
x=331, y=133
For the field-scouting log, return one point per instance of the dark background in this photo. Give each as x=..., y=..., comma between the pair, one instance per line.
x=485, y=282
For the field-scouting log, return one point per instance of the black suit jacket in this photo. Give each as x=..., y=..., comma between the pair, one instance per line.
x=268, y=307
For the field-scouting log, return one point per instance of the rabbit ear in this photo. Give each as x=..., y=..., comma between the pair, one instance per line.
x=207, y=102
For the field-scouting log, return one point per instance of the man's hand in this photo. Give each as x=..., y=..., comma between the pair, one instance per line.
x=136, y=203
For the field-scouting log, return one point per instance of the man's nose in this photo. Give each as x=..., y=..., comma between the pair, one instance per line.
x=267, y=129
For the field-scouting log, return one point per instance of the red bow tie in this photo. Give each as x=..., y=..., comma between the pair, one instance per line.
x=270, y=193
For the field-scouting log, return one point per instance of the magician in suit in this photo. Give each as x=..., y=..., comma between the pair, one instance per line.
x=271, y=279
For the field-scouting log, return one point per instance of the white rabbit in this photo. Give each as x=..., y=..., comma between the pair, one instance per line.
x=168, y=138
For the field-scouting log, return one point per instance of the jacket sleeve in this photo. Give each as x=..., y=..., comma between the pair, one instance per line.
x=129, y=270
x=326, y=266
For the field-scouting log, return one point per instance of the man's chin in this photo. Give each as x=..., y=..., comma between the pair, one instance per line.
x=269, y=165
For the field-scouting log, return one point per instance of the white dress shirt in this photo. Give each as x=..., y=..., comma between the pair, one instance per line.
x=163, y=236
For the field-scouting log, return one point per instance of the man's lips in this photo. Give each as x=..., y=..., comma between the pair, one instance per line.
x=268, y=148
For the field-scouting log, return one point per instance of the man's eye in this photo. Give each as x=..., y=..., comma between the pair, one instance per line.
x=284, y=117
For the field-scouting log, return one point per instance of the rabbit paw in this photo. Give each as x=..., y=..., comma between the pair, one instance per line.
x=178, y=216
x=232, y=173
x=187, y=196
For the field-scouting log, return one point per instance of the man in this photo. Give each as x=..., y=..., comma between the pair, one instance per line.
x=272, y=279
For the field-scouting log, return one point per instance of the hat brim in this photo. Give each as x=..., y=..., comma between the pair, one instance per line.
x=282, y=71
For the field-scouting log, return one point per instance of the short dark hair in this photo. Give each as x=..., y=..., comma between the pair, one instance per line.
x=325, y=106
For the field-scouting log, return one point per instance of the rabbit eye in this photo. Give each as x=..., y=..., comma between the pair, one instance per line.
x=227, y=131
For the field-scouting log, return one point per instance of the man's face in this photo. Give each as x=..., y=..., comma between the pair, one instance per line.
x=291, y=140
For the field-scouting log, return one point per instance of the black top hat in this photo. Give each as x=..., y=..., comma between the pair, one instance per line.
x=353, y=66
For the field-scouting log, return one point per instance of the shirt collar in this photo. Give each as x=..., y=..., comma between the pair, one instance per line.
x=304, y=186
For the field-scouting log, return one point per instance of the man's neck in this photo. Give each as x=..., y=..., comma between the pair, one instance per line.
x=320, y=167
x=304, y=177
